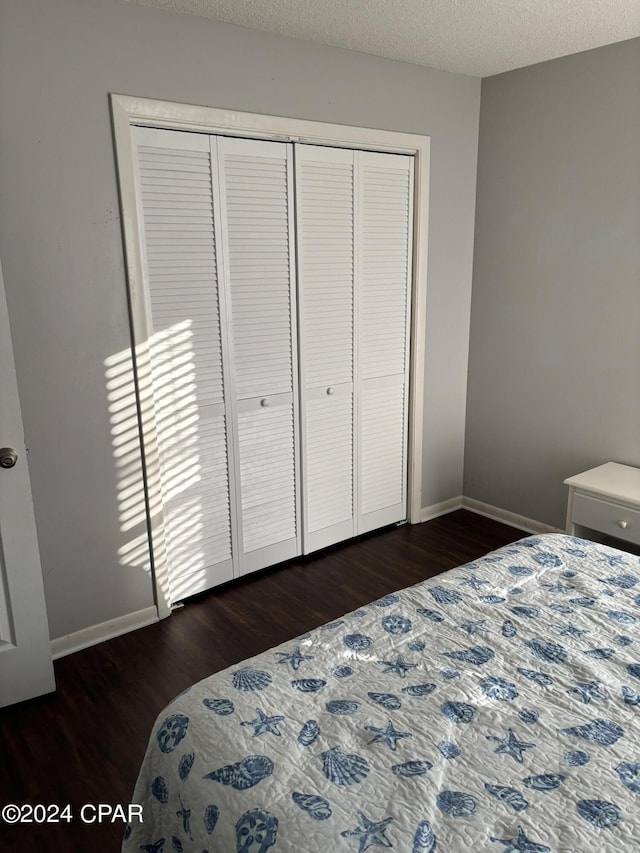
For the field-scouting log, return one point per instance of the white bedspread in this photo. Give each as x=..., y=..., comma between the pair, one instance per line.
x=495, y=707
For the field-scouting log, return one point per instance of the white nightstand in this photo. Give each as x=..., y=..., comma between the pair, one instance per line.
x=605, y=501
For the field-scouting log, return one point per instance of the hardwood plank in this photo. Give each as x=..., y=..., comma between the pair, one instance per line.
x=85, y=743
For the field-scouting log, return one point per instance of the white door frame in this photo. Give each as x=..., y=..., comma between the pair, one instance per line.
x=128, y=111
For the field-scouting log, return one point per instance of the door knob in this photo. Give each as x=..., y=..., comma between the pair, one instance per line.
x=8, y=457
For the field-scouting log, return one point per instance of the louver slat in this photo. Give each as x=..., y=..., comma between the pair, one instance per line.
x=186, y=357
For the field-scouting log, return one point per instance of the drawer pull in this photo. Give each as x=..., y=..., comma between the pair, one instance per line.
x=264, y=403
x=623, y=524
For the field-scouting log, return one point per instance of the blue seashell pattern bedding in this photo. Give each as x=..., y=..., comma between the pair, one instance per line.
x=495, y=707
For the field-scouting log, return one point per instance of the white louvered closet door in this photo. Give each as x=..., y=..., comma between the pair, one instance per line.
x=186, y=357
x=325, y=235
x=385, y=205
x=354, y=225
x=258, y=421
x=256, y=193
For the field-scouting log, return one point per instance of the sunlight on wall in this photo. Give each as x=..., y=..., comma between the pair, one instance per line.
x=168, y=398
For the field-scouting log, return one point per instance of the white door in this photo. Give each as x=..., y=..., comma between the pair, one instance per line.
x=354, y=220
x=218, y=372
x=384, y=217
x=26, y=669
x=186, y=411
x=256, y=210
x=325, y=223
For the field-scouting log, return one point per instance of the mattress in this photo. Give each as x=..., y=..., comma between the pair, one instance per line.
x=494, y=707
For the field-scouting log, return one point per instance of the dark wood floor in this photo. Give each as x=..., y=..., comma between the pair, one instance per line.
x=84, y=744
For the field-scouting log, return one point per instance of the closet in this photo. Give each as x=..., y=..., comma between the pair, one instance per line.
x=277, y=291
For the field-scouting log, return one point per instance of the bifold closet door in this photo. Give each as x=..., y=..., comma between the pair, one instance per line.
x=187, y=420
x=384, y=253
x=325, y=231
x=256, y=198
x=219, y=287
x=354, y=224
x=251, y=421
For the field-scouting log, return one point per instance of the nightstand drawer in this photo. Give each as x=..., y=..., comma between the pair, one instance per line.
x=610, y=518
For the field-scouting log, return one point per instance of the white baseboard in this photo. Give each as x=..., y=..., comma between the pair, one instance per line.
x=521, y=522
x=94, y=634
x=427, y=513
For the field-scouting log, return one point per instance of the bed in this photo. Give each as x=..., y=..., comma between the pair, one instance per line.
x=493, y=707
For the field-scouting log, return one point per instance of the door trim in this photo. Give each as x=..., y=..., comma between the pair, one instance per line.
x=128, y=111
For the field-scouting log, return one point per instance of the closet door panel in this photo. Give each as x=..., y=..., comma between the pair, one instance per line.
x=385, y=187
x=256, y=196
x=185, y=356
x=325, y=232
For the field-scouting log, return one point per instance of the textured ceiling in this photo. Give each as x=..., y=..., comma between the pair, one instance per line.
x=476, y=37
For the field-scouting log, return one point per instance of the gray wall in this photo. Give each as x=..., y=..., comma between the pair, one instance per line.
x=554, y=363
x=61, y=250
